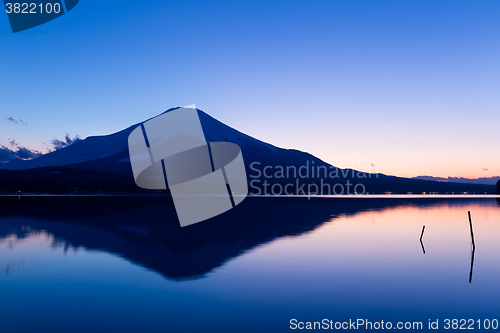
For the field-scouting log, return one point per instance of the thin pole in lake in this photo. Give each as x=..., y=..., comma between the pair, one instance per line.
x=471, y=264
x=473, y=249
x=422, y=235
x=471, y=231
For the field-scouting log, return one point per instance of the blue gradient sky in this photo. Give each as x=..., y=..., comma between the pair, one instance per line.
x=410, y=86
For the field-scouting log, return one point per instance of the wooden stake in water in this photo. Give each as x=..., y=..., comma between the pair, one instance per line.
x=471, y=264
x=471, y=232
x=422, y=235
x=473, y=249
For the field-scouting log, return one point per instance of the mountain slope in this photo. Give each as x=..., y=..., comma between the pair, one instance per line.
x=483, y=180
x=103, y=153
x=109, y=155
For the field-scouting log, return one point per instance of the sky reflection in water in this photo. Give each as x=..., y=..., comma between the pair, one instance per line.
x=364, y=264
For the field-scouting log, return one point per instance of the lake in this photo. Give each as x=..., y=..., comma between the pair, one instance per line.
x=111, y=264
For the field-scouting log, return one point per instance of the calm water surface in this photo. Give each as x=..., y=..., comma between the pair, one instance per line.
x=71, y=266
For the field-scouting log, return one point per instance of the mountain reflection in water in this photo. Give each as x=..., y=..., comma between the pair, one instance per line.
x=145, y=230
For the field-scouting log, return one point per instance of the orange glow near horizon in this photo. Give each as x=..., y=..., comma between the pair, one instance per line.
x=391, y=233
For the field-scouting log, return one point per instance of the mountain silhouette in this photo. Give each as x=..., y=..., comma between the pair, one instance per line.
x=482, y=180
x=102, y=164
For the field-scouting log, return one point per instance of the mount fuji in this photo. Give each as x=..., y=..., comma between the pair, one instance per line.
x=102, y=164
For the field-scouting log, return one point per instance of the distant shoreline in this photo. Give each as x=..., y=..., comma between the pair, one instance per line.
x=347, y=196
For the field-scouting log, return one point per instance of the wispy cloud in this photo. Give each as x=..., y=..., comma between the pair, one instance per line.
x=27, y=154
x=14, y=121
x=59, y=144
x=22, y=153
x=17, y=152
x=7, y=155
x=485, y=169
